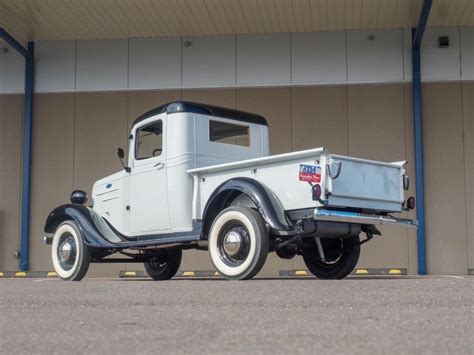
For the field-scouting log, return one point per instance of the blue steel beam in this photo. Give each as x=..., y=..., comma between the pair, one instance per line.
x=26, y=159
x=29, y=55
x=417, y=36
x=14, y=43
x=419, y=30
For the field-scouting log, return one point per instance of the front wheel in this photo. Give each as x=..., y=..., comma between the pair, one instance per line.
x=238, y=243
x=71, y=256
x=342, y=256
x=164, y=264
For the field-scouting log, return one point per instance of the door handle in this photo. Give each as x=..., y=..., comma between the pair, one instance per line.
x=159, y=165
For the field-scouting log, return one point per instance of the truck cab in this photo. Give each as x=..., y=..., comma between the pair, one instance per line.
x=154, y=194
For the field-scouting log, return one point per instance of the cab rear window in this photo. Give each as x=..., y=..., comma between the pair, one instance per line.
x=229, y=133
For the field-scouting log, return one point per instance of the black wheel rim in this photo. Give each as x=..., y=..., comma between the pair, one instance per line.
x=237, y=229
x=158, y=262
x=333, y=251
x=67, y=251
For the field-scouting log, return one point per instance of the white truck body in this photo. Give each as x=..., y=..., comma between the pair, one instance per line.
x=201, y=177
x=166, y=194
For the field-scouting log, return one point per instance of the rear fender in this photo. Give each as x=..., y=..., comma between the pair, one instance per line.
x=265, y=200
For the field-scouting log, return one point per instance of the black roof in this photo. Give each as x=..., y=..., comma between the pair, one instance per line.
x=185, y=106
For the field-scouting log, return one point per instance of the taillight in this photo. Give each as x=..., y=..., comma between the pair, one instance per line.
x=411, y=204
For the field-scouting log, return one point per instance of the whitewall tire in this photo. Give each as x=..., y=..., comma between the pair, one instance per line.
x=70, y=256
x=238, y=243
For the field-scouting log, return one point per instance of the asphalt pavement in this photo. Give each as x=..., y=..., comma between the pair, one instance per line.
x=430, y=315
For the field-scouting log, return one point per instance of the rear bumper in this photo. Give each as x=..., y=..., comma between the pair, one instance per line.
x=359, y=218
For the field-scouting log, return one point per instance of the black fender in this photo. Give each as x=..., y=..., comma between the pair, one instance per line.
x=264, y=199
x=94, y=229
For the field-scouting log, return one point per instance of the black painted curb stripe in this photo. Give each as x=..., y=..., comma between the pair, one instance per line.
x=184, y=274
x=210, y=273
x=27, y=274
x=356, y=272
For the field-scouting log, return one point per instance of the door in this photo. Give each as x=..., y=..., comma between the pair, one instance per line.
x=148, y=182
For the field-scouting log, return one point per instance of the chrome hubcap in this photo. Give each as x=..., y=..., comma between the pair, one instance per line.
x=65, y=251
x=232, y=243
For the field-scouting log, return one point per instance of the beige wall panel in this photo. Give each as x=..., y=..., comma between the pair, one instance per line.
x=10, y=177
x=275, y=105
x=444, y=179
x=468, y=120
x=218, y=97
x=319, y=118
x=52, y=167
x=100, y=127
x=410, y=169
x=377, y=131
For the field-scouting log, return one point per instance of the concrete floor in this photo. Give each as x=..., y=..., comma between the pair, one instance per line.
x=357, y=315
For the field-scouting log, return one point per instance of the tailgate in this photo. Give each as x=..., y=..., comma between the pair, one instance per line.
x=366, y=184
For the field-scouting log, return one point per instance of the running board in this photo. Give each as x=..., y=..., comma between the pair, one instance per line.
x=167, y=241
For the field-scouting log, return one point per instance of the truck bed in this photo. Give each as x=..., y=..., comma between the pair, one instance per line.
x=360, y=184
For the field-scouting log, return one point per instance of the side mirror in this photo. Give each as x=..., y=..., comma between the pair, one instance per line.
x=121, y=155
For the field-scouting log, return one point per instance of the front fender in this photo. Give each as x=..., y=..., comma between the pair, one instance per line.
x=264, y=199
x=94, y=229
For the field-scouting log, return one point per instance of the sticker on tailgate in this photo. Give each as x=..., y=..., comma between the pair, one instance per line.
x=310, y=173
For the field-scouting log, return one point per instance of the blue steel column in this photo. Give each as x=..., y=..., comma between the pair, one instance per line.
x=417, y=36
x=26, y=158
x=29, y=55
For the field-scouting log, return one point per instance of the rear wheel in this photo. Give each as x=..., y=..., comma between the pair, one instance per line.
x=164, y=264
x=71, y=256
x=341, y=255
x=238, y=243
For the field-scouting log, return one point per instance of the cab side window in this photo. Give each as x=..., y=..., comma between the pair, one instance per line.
x=149, y=141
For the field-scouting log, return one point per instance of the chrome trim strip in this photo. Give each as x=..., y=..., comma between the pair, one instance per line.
x=353, y=217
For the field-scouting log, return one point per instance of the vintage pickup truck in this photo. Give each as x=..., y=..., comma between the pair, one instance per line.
x=200, y=177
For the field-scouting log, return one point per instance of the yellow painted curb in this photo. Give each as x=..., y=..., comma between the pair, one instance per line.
x=130, y=273
x=301, y=273
x=362, y=272
x=20, y=274
x=394, y=272
x=188, y=273
x=51, y=274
